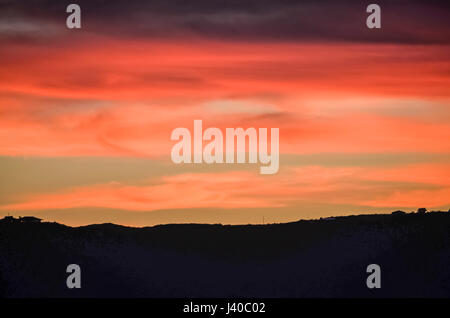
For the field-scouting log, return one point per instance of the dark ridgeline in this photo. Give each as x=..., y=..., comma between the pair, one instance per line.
x=315, y=258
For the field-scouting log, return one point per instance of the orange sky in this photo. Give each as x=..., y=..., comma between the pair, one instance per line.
x=85, y=124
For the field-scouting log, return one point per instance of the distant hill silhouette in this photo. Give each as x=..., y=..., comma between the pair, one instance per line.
x=308, y=258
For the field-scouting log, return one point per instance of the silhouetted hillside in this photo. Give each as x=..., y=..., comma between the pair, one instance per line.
x=316, y=258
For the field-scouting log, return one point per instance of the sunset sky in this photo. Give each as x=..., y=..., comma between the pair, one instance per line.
x=86, y=114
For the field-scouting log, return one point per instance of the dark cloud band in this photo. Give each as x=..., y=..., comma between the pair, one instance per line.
x=411, y=22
